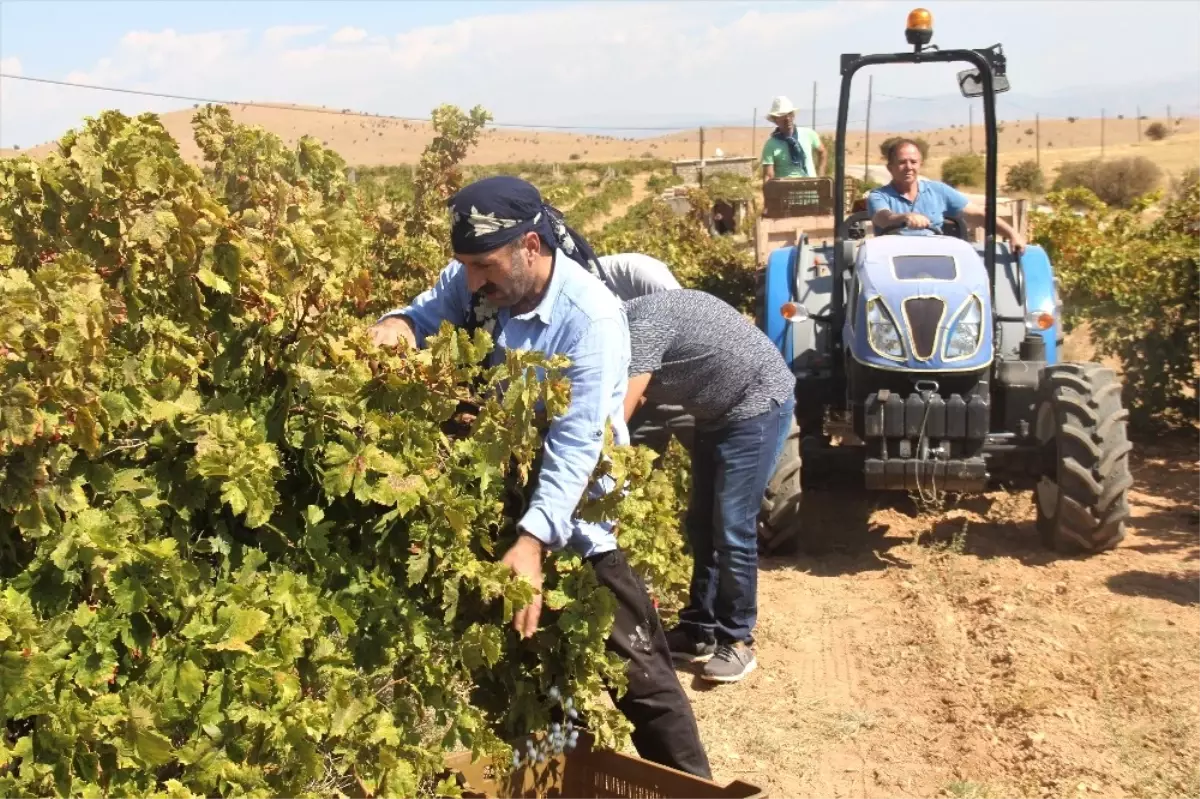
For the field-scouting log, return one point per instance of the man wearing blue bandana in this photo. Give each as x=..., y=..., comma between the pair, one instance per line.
x=534, y=284
x=791, y=152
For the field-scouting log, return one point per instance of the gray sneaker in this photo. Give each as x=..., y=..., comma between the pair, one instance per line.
x=687, y=649
x=730, y=663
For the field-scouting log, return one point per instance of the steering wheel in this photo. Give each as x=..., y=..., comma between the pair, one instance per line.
x=957, y=228
x=856, y=225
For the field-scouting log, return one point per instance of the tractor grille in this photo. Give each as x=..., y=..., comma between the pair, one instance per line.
x=924, y=314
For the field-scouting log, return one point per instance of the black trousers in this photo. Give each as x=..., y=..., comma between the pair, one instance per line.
x=664, y=727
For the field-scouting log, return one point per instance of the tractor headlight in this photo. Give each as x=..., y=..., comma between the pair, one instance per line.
x=965, y=330
x=882, y=332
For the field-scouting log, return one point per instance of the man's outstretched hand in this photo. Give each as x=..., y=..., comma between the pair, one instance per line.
x=390, y=331
x=525, y=559
x=916, y=221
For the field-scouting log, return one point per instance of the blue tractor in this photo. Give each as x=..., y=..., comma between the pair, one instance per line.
x=928, y=364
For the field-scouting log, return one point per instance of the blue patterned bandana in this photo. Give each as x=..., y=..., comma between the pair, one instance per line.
x=495, y=211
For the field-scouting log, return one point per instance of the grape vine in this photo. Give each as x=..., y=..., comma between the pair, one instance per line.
x=244, y=551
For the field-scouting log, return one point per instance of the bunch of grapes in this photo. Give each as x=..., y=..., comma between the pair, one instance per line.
x=558, y=739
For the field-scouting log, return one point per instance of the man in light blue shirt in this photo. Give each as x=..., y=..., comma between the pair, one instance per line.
x=521, y=273
x=921, y=205
x=572, y=316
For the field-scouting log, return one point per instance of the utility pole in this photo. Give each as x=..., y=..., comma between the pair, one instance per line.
x=700, y=170
x=1101, y=132
x=754, y=134
x=867, y=140
x=971, y=126
x=1138, y=121
x=814, y=108
x=1037, y=128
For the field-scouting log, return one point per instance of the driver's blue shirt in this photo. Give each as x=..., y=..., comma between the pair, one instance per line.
x=935, y=201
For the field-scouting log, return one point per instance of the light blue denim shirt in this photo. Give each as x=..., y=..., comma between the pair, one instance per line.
x=579, y=318
x=935, y=200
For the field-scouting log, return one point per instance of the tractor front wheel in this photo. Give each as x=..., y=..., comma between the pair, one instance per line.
x=779, y=517
x=1081, y=425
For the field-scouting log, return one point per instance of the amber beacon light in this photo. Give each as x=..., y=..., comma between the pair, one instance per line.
x=919, y=28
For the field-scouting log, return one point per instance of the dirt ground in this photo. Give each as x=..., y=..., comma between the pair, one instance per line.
x=909, y=653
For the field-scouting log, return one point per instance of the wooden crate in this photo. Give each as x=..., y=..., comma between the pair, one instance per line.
x=786, y=197
x=588, y=772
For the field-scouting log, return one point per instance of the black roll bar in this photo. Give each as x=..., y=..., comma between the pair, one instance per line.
x=851, y=63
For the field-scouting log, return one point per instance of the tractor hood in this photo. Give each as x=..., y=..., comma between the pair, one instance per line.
x=920, y=303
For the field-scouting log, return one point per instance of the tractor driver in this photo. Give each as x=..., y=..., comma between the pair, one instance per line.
x=921, y=204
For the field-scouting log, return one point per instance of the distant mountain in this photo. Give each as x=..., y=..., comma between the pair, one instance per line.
x=1181, y=93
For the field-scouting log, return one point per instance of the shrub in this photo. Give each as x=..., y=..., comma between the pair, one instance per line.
x=831, y=156
x=1030, y=131
x=1118, y=182
x=243, y=550
x=1183, y=184
x=1025, y=176
x=657, y=184
x=1157, y=131
x=964, y=170
x=1138, y=283
x=1072, y=119
x=886, y=144
x=699, y=260
x=573, y=157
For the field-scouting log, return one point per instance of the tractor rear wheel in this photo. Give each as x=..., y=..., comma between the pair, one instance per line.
x=779, y=517
x=1081, y=496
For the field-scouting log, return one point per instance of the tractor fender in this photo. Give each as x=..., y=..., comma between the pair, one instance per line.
x=1041, y=296
x=779, y=280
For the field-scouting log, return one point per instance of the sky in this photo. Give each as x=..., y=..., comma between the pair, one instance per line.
x=617, y=63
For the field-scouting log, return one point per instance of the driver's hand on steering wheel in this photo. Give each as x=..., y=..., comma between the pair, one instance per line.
x=916, y=221
x=1017, y=243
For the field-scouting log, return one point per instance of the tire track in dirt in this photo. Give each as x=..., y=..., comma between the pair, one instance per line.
x=792, y=726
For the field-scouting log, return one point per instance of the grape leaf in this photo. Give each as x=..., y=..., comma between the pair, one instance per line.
x=246, y=623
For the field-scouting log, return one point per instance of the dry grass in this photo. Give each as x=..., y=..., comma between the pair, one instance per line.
x=372, y=140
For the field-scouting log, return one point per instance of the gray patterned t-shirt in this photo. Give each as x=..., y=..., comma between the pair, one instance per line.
x=705, y=357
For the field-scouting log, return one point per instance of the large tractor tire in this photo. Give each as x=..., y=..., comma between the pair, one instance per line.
x=779, y=518
x=1081, y=496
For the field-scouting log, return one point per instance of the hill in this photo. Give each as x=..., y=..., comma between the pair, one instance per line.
x=367, y=140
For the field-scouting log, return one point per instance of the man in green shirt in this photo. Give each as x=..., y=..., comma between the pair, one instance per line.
x=789, y=151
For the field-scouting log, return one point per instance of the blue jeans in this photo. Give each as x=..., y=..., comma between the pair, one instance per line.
x=731, y=467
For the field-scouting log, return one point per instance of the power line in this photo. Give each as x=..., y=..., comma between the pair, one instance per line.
x=917, y=99
x=367, y=115
x=310, y=110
